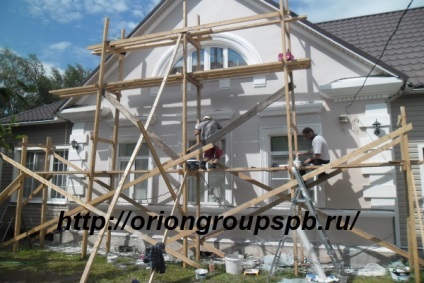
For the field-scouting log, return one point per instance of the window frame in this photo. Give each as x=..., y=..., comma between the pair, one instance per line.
x=132, y=176
x=63, y=199
x=317, y=193
x=207, y=55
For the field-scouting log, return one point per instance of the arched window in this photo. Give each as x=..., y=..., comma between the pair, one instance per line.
x=211, y=57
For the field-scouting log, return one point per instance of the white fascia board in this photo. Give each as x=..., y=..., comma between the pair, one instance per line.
x=83, y=113
x=374, y=88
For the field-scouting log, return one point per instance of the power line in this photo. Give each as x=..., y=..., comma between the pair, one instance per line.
x=379, y=58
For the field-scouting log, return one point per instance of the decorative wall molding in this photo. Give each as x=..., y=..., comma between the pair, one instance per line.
x=279, y=108
x=375, y=88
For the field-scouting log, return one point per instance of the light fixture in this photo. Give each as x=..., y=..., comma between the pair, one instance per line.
x=343, y=119
x=74, y=144
x=376, y=126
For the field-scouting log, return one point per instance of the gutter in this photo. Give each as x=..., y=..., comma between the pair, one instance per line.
x=44, y=122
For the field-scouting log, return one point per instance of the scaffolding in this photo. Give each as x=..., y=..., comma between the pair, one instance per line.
x=111, y=91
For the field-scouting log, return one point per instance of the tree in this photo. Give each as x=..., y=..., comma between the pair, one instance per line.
x=25, y=84
x=7, y=136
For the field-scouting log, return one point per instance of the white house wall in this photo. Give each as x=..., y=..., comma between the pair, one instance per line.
x=244, y=143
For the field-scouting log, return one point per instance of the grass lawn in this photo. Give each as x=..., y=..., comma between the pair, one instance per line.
x=48, y=266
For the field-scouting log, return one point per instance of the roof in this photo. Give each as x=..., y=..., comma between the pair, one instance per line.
x=328, y=34
x=370, y=34
x=42, y=113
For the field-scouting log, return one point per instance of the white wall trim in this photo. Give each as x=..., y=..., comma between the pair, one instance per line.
x=279, y=108
x=375, y=88
x=230, y=40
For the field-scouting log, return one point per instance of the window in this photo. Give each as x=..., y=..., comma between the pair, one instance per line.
x=279, y=154
x=194, y=60
x=35, y=162
x=137, y=192
x=213, y=185
x=211, y=58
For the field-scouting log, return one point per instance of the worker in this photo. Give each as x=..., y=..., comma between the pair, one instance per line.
x=206, y=129
x=319, y=151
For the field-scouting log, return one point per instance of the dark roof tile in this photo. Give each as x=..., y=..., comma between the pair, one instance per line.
x=42, y=113
x=406, y=48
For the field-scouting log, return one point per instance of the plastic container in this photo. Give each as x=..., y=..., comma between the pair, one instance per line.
x=234, y=265
x=399, y=275
x=297, y=162
x=211, y=267
x=201, y=274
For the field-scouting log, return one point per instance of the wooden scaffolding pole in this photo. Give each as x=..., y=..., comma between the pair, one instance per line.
x=45, y=191
x=184, y=123
x=410, y=219
x=198, y=117
x=165, y=235
x=114, y=151
x=19, y=199
x=284, y=37
x=97, y=118
x=143, y=136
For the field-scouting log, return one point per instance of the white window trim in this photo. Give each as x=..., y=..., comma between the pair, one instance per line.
x=265, y=150
x=17, y=158
x=134, y=139
x=224, y=40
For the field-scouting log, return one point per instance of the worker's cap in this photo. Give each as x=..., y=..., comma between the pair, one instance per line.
x=207, y=117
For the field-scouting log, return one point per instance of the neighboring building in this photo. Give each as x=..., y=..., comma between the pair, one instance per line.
x=322, y=93
x=37, y=124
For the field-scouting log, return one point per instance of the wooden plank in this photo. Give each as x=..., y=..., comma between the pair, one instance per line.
x=160, y=35
x=8, y=191
x=408, y=176
x=103, y=140
x=214, y=74
x=144, y=136
x=19, y=198
x=243, y=118
x=316, y=172
x=45, y=190
x=36, y=191
x=93, y=155
x=184, y=143
x=115, y=136
x=89, y=205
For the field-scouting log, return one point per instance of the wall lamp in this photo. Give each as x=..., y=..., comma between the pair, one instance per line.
x=74, y=144
x=376, y=126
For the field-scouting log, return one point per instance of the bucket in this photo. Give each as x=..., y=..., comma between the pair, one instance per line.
x=201, y=274
x=234, y=265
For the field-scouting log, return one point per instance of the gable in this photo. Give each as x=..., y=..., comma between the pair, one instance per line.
x=332, y=58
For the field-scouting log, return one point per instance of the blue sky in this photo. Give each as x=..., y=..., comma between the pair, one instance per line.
x=58, y=31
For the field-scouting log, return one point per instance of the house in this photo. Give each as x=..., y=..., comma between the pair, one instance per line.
x=37, y=125
x=325, y=94
x=403, y=52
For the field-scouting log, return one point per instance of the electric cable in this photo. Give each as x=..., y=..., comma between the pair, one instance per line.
x=378, y=60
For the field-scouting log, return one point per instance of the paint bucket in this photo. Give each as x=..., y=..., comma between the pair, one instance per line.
x=234, y=265
x=201, y=274
x=399, y=274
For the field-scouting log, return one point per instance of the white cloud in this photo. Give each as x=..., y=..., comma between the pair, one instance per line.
x=60, y=46
x=326, y=10
x=66, y=11
x=62, y=11
x=105, y=6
